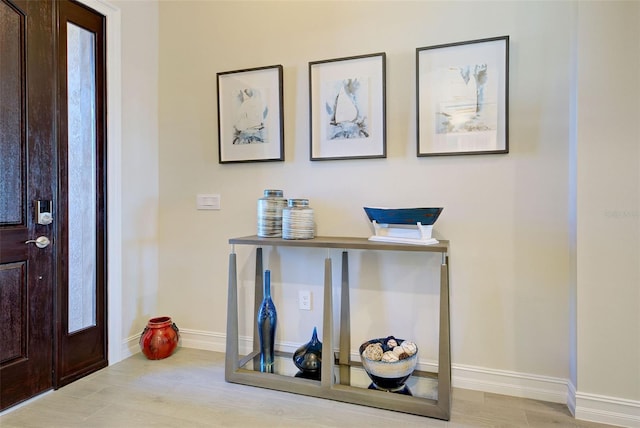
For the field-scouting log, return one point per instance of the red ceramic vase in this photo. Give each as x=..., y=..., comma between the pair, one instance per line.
x=159, y=338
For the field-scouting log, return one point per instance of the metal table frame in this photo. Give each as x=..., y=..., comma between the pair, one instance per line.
x=327, y=388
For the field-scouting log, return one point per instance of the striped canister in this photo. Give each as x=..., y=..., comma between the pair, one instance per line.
x=297, y=220
x=270, y=208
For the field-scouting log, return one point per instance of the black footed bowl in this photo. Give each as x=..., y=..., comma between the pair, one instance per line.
x=385, y=375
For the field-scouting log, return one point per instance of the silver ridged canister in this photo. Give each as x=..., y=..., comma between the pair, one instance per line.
x=270, y=213
x=297, y=220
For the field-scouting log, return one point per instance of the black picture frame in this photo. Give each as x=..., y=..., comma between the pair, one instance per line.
x=250, y=115
x=347, y=108
x=462, y=98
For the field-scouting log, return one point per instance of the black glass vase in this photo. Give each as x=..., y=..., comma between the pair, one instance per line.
x=308, y=358
x=267, y=319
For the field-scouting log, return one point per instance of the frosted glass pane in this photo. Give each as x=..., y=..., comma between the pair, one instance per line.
x=81, y=92
x=11, y=119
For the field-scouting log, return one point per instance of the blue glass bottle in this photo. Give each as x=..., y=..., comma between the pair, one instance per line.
x=267, y=319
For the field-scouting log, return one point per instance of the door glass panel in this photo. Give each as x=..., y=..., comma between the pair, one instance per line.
x=11, y=120
x=81, y=93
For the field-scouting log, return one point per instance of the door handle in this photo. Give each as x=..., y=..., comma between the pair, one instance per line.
x=40, y=241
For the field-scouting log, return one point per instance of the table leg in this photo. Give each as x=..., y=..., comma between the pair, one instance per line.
x=257, y=301
x=345, y=324
x=444, y=354
x=231, y=357
x=326, y=373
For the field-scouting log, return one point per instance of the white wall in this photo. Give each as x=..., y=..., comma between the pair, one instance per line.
x=518, y=263
x=506, y=216
x=140, y=165
x=608, y=206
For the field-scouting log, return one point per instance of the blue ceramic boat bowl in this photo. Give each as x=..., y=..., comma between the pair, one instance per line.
x=424, y=216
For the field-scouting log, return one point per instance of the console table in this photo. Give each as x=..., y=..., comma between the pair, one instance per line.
x=335, y=383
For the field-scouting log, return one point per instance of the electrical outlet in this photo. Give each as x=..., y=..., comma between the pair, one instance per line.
x=304, y=300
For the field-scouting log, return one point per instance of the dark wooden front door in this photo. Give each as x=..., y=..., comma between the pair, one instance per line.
x=38, y=349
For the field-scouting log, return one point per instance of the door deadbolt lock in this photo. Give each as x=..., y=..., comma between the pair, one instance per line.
x=44, y=212
x=40, y=241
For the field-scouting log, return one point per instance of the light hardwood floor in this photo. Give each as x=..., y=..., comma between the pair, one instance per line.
x=188, y=390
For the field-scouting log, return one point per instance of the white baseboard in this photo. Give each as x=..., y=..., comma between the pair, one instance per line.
x=505, y=382
x=607, y=410
x=588, y=407
x=205, y=340
x=130, y=346
x=571, y=399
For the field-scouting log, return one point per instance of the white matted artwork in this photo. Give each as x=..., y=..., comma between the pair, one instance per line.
x=250, y=117
x=463, y=97
x=347, y=108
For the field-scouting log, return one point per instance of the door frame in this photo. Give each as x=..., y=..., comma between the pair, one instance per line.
x=114, y=177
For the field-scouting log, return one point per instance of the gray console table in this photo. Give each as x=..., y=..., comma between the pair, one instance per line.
x=335, y=383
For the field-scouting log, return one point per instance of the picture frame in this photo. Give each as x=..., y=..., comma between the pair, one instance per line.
x=347, y=108
x=250, y=115
x=462, y=98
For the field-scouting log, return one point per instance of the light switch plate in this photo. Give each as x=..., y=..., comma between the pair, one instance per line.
x=208, y=202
